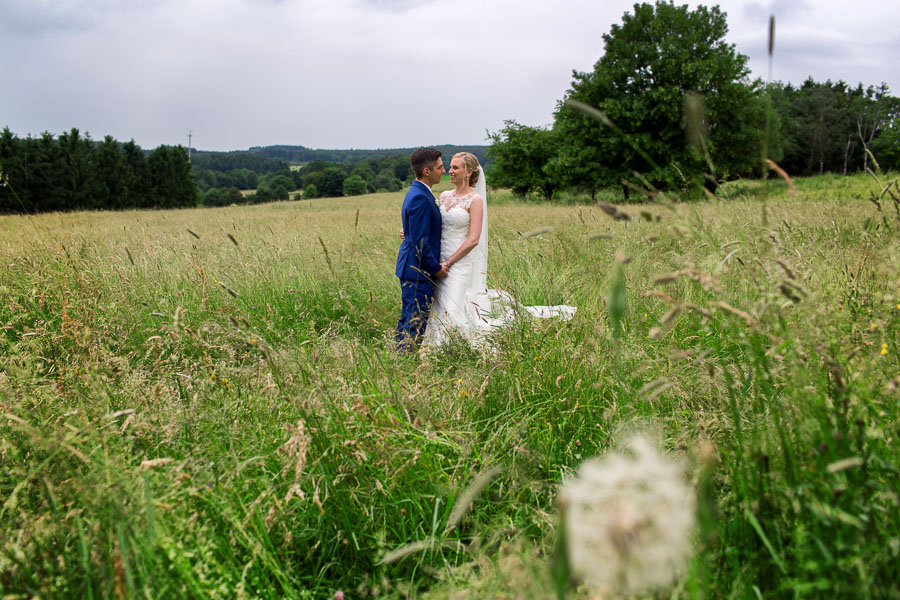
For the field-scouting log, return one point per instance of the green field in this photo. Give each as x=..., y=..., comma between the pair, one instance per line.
x=205, y=403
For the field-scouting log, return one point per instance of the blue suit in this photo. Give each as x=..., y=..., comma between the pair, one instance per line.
x=418, y=261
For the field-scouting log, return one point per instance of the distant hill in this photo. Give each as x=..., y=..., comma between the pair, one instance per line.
x=301, y=154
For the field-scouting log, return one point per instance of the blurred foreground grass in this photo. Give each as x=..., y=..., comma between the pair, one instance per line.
x=205, y=403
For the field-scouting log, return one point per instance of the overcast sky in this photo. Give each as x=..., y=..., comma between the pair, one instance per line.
x=364, y=73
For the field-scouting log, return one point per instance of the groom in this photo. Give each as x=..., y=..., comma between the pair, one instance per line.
x=418, y=262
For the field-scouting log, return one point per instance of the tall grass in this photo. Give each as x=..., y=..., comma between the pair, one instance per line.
x=219, y=412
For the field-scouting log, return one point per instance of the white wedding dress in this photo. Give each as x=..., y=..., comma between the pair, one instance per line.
x=463, y=305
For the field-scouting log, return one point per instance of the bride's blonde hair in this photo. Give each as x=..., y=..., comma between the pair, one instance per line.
x=471, y=164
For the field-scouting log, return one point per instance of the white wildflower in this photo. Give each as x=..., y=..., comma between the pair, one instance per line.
x=628, y=520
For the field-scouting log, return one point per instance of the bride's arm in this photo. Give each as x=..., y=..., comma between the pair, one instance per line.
x=476, y=214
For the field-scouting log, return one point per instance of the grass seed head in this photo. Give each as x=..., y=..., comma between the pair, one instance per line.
x=613, y=211
x=296, y=447
x=695, y=119
x=628, y=518
x=747, y=317
x=155, y=462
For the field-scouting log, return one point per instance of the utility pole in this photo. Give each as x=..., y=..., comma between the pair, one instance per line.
x=190, y=134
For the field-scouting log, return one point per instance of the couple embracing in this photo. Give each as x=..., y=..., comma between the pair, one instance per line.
x=442, y=263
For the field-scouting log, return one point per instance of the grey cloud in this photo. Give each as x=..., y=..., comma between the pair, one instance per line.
x=25, y=18
x=780, y=8
x=396, y=5
x=37, y=18
x=799, y=57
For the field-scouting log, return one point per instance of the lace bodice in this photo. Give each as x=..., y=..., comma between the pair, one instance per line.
x=448, y=200
x=454, y=221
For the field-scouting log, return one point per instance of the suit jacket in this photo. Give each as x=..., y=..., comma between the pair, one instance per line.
x=420, y=253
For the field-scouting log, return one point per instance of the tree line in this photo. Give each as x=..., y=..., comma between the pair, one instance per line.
x=301, y=154
x=221, y=176
x=670, y=105
x=236, y=160
x=322, y=179
x=274, y=175
x=833, y=127
x=72, y=172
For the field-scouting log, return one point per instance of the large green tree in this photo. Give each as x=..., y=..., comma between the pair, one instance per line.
x=138, y=186
x=109, y=167
x=655, y=60
x=332, y=185
x=354, y=185
x=520, y=155
x=277, y=186
x=45, y=176
x=385, y=181
x=171, y=177
x=76, y=170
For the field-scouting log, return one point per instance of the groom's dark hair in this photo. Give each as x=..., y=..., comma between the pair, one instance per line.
x=421, y=158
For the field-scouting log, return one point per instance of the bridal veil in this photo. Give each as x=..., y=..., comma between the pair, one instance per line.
x=491, y=309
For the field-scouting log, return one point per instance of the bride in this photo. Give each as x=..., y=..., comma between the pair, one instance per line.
x=462, y=303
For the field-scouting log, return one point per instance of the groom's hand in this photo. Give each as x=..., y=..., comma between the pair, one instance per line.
x=442, y=273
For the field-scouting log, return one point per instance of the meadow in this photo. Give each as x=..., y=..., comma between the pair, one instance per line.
x=206, y=403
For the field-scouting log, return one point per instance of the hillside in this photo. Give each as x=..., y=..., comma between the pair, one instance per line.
x=301, y=154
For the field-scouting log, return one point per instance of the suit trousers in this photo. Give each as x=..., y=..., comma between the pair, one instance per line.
x=417, y=298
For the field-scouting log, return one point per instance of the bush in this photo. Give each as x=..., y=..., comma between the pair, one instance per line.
x=332, y=184
x=385, y=181
x=214, y=197
x=221, y=196
x=234, y=196
x=355, y=186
